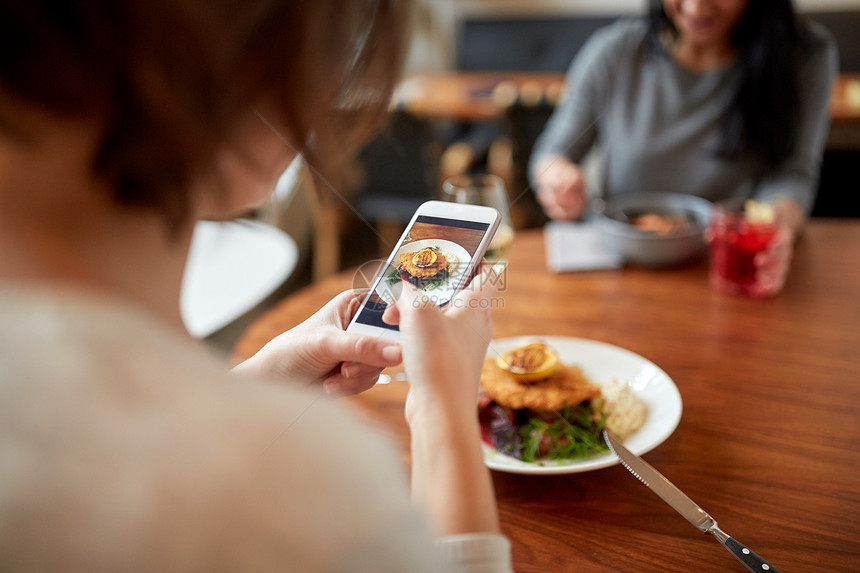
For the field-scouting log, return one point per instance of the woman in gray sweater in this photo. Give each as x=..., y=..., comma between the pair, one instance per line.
x=716, y=99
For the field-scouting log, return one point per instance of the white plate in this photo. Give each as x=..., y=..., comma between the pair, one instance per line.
x=601, y=363
x=442, y=293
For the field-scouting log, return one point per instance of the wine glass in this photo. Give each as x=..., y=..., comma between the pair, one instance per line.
x=488, y=190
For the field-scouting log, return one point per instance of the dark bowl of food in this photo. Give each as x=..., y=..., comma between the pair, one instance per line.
x=654, y=229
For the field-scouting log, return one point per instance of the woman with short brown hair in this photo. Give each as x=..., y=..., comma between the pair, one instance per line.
x=123, y=444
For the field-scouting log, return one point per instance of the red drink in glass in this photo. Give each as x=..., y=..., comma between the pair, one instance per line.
x=735, y=242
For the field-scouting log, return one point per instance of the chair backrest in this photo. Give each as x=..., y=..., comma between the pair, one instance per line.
x=523, y=123
x=838, y=192
x=401, y=160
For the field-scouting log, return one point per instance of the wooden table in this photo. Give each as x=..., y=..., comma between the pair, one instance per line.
x=472, y=96
x=484, y=96
x=769, y=440
x=845, y=100
x=476, y=96
x=845, y=114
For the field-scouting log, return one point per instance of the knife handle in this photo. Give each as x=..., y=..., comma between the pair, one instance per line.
x=745, y=555
x=749, y=557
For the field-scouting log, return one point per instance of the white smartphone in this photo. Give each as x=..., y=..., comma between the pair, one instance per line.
x=439, y=253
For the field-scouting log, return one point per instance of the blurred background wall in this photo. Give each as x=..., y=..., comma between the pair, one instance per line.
x=451, y=34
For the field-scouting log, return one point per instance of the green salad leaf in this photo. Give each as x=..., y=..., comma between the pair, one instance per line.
x=574, y=434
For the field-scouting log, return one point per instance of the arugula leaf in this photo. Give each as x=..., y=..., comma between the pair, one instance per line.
x=574, y=434
x=392, y=276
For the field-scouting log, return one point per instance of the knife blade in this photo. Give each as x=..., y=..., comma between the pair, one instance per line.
x=658, y=483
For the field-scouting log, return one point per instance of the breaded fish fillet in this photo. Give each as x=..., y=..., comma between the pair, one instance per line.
x=567, y=386
x=408, y=263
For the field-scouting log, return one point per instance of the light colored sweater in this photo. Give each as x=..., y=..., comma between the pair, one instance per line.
x=658, y=123
x=126, y=447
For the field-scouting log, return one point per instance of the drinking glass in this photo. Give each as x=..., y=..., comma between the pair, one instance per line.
x=488, y=190
x=736, y=239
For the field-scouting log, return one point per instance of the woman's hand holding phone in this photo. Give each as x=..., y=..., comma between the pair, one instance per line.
x=335, y=348
x=443, y=350
x=320, y=350
x=440, y=250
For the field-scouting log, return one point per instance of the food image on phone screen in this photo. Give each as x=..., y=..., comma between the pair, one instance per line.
x=437, y=255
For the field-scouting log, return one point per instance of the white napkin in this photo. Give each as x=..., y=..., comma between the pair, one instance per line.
x=577, y=247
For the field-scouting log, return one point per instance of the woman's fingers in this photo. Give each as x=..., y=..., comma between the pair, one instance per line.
x=478, y=293
x=561, y=204
x=338, y=311
x=412, y=302
x=348, y=347
x=481, y=288
x=391, y=315
x=351, y=378
x=773, y=263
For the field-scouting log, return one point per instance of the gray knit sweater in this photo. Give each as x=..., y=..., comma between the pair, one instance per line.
x=658, y=123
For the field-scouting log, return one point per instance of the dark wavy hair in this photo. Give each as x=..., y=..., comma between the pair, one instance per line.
x=761, y=118
x=172, y=80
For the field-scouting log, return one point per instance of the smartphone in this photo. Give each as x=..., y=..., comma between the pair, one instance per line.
x=439, y=252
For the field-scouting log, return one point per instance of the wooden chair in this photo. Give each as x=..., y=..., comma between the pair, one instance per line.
x=527, y=109
x=399, y=169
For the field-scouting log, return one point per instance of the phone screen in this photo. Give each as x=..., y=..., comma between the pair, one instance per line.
x=436, y=256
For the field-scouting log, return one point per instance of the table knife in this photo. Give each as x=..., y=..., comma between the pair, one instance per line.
x=684, y=505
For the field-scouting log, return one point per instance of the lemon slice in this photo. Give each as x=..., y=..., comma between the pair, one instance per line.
x=758, y=212
x=424, y=258
x=529, y=363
